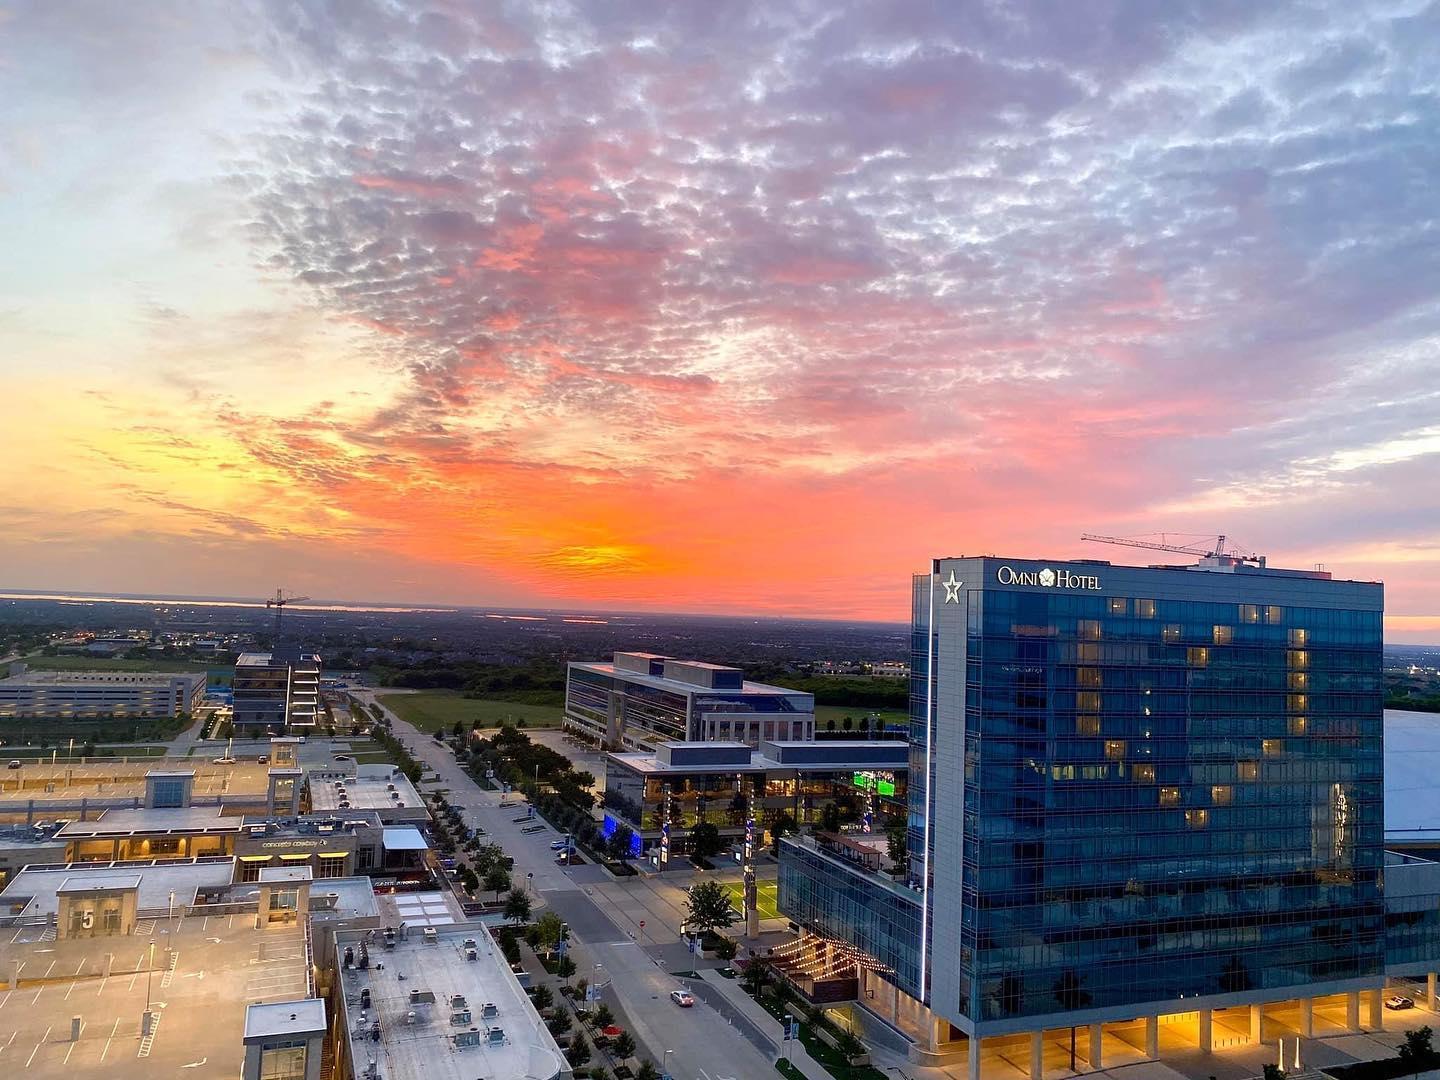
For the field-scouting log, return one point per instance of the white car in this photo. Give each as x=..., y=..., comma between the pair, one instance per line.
x=683, y=998
x=1399, y=1001
x=559, y=845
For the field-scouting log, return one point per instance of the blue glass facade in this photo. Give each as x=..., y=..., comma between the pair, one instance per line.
x=1132, y=786
x=1167, y=798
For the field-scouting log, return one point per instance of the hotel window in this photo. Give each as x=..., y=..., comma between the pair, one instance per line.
x=1299, y=680
x=1220, y=794
x=1087, y=676
x=1062, y=772
x=1169, y=796
x=1197, y=819
x=1087, y=701
x=1299, y=659
x=1272, y=747
x=1222, y=635
x=1144, y=774
x=1197, y=656
x=1299, y=636
x=1088, y=629
x=1115, y=749
x=1249, y=613
x=1119, y=605
x=284, y=1061
x=1274, y=615
x=1145, y=609
x=1087, y=653
x=1247, y=770
x=1170, y=633
x=1297, y=725
x=1087, y=725
x=331, y=865
x=1298, y=703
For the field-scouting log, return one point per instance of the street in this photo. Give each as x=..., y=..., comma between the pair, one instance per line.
x=634, y=963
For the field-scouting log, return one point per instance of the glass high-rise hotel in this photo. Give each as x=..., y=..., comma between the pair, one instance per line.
x=1134, y=792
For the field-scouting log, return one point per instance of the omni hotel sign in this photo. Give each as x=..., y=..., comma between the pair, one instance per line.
x=1048, y=578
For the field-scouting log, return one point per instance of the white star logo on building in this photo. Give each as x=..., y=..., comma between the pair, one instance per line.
x=952, y=589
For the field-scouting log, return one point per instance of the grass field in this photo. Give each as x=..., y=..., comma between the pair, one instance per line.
x=110, y=663
x=432, y=710
x=368, y=752
x=892, y=717
x=765, y=898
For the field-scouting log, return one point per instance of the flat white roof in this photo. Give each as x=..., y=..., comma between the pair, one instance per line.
x=1412, y=758
x=403, y=838
x=83, y=882
x=157, y=881
x=746, y=687
x=151, y=821
x=285, y=873
x=305, y=1017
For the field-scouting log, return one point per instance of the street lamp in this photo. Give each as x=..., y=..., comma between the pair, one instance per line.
x=665, y=1066
x=149, y=971
x=529, y=881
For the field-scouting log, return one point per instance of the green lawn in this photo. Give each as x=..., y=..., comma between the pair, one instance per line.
x=110, y=663
x=766, y=902
x=432, y=710
x=856, y=713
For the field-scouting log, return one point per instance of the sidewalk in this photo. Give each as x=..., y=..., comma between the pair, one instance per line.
x=742, y=1002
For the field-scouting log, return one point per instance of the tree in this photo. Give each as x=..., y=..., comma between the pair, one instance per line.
x=620, y=841
x=830, y=817
x=849, y=723
x=497, y=880
x=705, y=841
x=579, y=1052
x=647, y=1071
x=783, y=825
x=756, y=975
x=1071, y=995
x=581, y=986
x=849, y=1045
x=560, y=1023
x=623, y=1047
x=895, y=841
x=565, y=968
x=709, y=906
x=726, y=949
x=551, y=930
x=1416, y=1050
x=458, y=729
x=830, y=724
x=602, y=1016
x=517, y=905
x=542, y=997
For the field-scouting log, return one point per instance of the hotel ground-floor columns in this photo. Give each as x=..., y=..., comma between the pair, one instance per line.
x=1430, y=991
x=1307, y=1017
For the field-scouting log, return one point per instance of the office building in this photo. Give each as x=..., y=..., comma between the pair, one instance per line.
x=641, y=699
x=276, y=692
x=1142, y=800
x=68, y=694
x=726, y=784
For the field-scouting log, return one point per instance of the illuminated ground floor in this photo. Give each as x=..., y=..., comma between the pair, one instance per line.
x=1199, y=1043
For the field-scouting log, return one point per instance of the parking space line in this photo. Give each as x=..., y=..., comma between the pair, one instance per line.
x=108, y=1041
x=37, y=1046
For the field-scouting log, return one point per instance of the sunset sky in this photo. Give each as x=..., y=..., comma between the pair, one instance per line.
x=702, y=306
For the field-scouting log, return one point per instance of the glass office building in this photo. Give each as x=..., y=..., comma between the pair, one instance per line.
x=1136, y=786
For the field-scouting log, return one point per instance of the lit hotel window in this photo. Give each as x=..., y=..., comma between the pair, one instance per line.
x=1087, y=701
x=1197, y=656
x=1115, y=750
x=1299, y=659
x=1144, y=774
x=1299, y=703
x=1062, y=772
x=1249, y=613
x=1088, y=629
x=1171, y=632
x=1169, y=796
x=1087, y=676
x=1087, y=653
x=1223, y=635
x=1298, y=636
x=1220, y=794
x=1272, y=747
x=1087, y=725
x=1197, y=819
x=1274, y=615
x=1297, y=725
x=1247, y=770
x=1119, y=605
x=1299, y=680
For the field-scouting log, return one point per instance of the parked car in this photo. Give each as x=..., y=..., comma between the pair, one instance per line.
x=559, y=845
x=13, y=765
x=1399, y=1001
x=683, y=998
x=263, y=759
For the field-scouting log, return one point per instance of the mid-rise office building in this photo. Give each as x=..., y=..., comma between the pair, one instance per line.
x=65, y=694
x=276, y=692
x=641, y=699
x=1135, y=794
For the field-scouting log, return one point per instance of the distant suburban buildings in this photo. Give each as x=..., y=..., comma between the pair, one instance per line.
x=276, y=692
x=98, y=693
x=640, y=700
x=875, y=669
x=1141, y=799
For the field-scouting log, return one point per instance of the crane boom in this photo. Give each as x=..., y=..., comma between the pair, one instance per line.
x=278, y=602
x=1217, y=550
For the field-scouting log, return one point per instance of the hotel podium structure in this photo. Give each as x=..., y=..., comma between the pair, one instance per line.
x=1140, y=798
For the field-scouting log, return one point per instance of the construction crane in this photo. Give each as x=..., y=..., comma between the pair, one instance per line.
x=278, y=603
x=1215, y=549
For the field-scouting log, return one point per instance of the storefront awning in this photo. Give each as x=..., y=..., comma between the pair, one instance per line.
x=403, y=838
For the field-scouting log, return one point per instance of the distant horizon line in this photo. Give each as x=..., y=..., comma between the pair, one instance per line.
x=401, y=607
